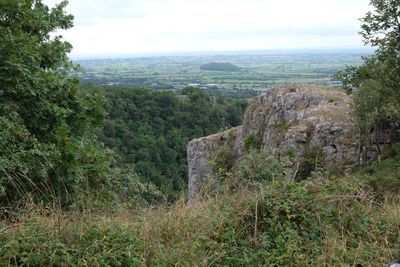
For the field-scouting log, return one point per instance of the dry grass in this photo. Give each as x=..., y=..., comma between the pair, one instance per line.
x=341, y=247
x=223, y=230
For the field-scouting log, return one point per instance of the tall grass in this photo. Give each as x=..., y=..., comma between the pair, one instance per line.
x=316, y=222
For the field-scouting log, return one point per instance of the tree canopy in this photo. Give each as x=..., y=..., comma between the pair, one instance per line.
x=376, y=83
x=48, y=146
x=151, y=129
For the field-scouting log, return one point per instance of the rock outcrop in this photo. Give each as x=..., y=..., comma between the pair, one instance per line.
x=201, y=151
x=288, y=118
x=296, y=116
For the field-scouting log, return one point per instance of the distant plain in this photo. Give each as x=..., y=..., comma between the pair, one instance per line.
x=257, y=72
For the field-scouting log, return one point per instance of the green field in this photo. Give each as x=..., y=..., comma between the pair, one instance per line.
x=257, y=72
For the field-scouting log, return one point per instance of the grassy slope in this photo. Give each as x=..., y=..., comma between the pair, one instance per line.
x=328, y=221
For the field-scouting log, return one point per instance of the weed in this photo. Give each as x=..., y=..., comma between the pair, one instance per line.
x=251, y=142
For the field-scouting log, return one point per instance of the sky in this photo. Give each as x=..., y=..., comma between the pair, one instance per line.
x=135, y=27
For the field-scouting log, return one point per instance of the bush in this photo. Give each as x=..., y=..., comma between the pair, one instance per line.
x=123, y=190
x=384, y=176
x=48, y=148
x=320, y=222
x=223, y=161
x=251, y=142
x=297, y=224
x=25, y=164
x=259, y=167
x=309, y=162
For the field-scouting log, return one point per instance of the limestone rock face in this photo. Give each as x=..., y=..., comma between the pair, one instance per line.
x=201, y=151
x=298, y=116
x=292, y=117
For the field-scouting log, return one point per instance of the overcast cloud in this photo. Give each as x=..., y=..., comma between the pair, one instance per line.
x=153, y=26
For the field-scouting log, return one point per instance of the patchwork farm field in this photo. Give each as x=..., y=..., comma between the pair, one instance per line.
x=256, y=73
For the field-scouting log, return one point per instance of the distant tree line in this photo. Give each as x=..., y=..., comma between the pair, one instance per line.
x=219, y=66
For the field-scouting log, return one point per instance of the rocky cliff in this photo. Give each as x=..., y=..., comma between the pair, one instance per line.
x=292, y=118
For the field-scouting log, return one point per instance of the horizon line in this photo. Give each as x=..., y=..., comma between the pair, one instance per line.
x=219, y=52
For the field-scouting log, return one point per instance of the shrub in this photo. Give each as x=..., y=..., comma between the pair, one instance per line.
x=283, y=223
x=290, y=152
x=311, y=159
x=259, y=166
x=384, y=176
x=320, y=222
x=223, y=161
x=251, y=142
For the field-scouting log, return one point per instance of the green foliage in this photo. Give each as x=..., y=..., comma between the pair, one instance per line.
x=320, y=222
x=259, y=166
x=312, y=223
x=151, y=129
x=379, y=29
x=293, y=224
x=223, y=161
x=63, y=243
x=21, y=155
x=369, y=106
x=380, y=26
x=391, y=152
x=349, y=78
x=48, y=147
x=44, y=116
x=310, y=160
x=290, y=152
x=376, y=83
x=384, y=176
x=251, y=142
x=121, y=188
x=254, y=168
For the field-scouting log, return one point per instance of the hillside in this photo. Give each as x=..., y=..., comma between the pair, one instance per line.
x=96, y=175
x=151, y=129
x=220, y=66
x=327, y=220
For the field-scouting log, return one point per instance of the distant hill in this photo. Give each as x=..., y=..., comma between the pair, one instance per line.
x=219, y=66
